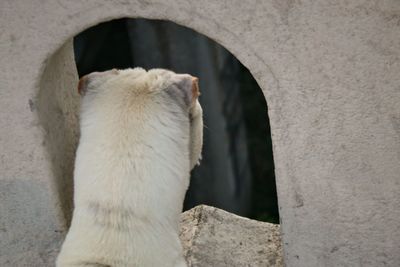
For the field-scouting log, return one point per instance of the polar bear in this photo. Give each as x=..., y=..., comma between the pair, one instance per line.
x=141, y=134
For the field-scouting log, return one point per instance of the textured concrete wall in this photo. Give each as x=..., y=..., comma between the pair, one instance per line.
x=330, y=73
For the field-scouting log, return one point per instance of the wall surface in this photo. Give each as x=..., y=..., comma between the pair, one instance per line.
x=330, y=74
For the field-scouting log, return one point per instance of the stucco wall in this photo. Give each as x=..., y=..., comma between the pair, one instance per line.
x=330, y=74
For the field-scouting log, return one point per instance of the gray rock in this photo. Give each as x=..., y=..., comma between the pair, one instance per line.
x=213, y=237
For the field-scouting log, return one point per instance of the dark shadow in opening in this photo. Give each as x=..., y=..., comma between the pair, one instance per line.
x=237, y=170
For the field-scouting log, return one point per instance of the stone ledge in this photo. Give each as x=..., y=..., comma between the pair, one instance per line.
x=213, y=237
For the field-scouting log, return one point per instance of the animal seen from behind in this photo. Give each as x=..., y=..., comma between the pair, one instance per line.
x=141, y=134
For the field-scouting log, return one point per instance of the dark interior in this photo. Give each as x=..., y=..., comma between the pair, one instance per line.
x=237, y=170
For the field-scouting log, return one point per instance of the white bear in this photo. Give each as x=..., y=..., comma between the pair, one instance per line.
x=141, y=134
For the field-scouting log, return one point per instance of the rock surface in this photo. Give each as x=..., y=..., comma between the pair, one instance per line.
x=213, y=237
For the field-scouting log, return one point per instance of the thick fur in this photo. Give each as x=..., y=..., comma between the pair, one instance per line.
x=141, y=134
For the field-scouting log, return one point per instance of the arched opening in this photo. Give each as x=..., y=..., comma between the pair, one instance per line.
x=237, y=171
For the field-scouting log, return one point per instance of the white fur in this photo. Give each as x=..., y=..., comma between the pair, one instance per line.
x=132, y=169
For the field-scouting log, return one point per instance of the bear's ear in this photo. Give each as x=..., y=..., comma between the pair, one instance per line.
x=83, y=84
x=195, y=89
x=188, y=86
x=85, y=80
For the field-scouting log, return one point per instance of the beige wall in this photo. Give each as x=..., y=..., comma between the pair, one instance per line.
x=330, y=73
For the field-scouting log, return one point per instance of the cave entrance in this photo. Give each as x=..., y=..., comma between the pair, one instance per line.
x=237, y=170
